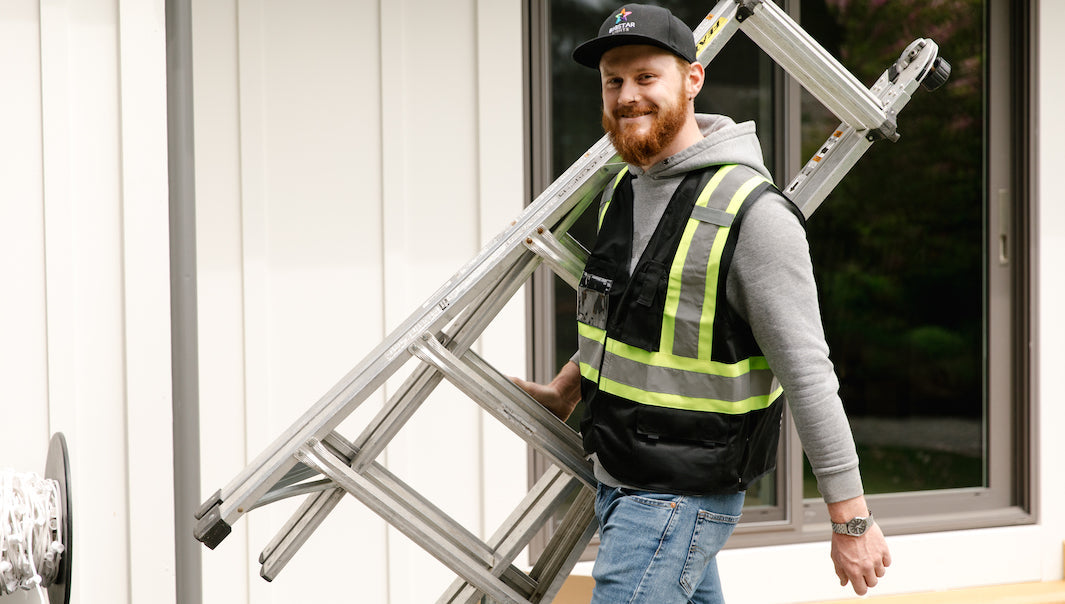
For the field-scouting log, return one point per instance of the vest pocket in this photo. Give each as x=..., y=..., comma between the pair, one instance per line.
x=638, y=320
x=688, y=451
x=648, y=282
x=654, y=425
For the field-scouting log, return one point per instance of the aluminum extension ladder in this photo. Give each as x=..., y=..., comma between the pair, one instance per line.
x=313, y=460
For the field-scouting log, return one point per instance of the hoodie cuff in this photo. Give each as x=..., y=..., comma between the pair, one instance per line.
x=840, y=486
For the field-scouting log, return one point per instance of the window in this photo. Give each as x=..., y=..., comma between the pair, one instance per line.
x=920, y=253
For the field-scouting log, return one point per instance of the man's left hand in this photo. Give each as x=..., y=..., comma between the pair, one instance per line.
x=861, y=561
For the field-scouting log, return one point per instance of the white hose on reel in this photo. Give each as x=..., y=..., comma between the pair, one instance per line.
x=31, y=532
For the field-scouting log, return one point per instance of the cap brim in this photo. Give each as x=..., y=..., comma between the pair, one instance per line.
x=589, y=53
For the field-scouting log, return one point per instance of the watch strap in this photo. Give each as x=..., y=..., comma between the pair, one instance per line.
x=854, y=527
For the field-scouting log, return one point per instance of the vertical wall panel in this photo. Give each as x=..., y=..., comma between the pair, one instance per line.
x=85, y=315
x=289, y=251
x=343, y=152
x=145, y=246
x=501, y=142
x=84, y=284
x=311, y=207
x=219, y=275
x=23, y=354
x=431, y=230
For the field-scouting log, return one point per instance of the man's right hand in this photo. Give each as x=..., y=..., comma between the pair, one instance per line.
x=561, y=395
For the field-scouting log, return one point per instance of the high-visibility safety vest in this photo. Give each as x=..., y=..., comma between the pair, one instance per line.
x=679, y=397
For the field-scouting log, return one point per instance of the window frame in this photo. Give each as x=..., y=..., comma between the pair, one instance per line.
x=1008, y=497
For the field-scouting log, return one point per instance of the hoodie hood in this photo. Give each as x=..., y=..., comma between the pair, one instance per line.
x=724, y=142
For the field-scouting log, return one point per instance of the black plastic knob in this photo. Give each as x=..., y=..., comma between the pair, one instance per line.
x=937, y=75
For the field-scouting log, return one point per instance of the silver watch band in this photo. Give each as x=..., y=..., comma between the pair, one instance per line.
x=854, y=527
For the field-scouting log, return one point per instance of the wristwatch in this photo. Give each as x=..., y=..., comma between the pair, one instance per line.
x=854, y=527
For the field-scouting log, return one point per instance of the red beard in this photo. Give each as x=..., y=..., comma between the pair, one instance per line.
x=638, y=149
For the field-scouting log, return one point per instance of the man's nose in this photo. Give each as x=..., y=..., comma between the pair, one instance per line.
x=629, y=93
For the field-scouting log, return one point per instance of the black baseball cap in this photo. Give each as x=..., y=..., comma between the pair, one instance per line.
x=638, y=24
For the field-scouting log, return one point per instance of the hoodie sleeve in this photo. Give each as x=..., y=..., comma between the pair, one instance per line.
x=771, y=285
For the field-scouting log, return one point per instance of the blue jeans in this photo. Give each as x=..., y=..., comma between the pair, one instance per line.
x=657, y=548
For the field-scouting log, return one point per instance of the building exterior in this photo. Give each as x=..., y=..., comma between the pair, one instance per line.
x=210, y=210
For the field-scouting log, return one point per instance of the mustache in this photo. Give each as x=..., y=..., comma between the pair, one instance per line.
x=633, y=110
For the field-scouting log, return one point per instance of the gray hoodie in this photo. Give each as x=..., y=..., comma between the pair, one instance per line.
x=771, y=285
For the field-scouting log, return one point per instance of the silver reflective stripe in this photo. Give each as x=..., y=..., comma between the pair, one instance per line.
x=590, y=350
x=712, y=215
x=666, y=380
x=693, y=282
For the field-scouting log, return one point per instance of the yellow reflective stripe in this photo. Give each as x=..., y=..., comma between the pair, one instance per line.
x=613, y=186
x=676, y=401
x=669, y=319
x=664, y=359
x=592, y=333
x=588, y=372
x=713, y=269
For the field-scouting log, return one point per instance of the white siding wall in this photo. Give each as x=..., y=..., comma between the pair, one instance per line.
x=84, y=251
x=350, y=157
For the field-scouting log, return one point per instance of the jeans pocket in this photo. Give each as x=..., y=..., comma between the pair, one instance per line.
x=711, y=532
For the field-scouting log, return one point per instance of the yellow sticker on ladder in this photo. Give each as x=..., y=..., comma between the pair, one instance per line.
x=709, y=35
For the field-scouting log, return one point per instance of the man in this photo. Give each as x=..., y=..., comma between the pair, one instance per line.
x=697, y=300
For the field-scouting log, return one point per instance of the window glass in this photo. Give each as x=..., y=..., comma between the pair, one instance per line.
x=899, y=250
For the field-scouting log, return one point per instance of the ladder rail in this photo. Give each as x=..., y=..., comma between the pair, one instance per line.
x=845, y=146
x=824, y=77
x=580, y=181
x=402, y=406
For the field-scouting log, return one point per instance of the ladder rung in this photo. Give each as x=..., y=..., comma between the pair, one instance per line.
x=291, y=538
x=509, y=404
x=563, y=259
x=416, y=518
x=417, y=387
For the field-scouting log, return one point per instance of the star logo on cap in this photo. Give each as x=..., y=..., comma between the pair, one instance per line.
x=623, y=15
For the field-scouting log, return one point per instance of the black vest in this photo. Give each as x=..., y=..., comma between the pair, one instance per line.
x=703, y=416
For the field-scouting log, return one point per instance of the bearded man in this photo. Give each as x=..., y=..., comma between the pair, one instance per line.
x=697, y=313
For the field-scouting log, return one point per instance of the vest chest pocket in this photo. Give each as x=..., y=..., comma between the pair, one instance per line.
x=638, y=320
x=648, y=282
x=593, y=296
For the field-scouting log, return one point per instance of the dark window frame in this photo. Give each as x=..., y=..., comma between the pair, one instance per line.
x=1008, y=497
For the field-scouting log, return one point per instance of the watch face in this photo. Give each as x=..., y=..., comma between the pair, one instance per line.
x=857, y=526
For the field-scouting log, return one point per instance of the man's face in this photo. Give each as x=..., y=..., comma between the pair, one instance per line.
x=646, y=101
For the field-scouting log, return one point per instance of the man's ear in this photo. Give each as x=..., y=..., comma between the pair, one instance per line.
x=696, y=77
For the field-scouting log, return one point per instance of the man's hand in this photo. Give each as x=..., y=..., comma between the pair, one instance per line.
x=561, y=395
x=861, y=561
